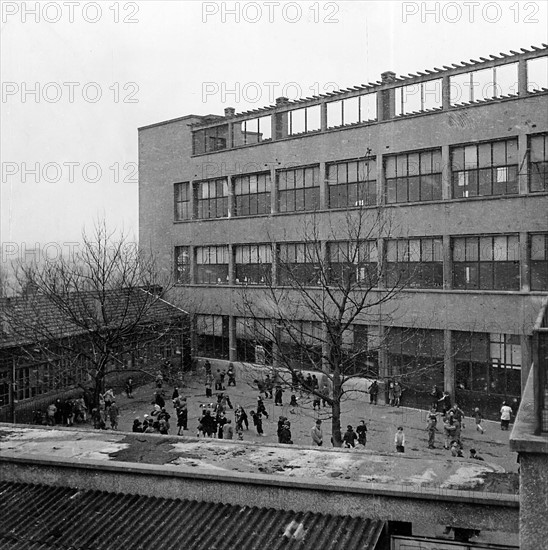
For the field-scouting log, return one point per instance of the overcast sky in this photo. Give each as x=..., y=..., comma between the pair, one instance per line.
x=78, y=79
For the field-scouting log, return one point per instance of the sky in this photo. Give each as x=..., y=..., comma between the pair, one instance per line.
x=79, y=78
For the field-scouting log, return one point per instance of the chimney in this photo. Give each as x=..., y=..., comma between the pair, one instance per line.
x=281, y=101
x=388, y=76
x=229, y=112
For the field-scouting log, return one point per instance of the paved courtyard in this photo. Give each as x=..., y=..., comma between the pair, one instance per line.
x=381, y=421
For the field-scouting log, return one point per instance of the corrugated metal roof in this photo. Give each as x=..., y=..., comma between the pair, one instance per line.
x=43, y=517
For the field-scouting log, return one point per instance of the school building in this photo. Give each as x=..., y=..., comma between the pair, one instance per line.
x=456, y=157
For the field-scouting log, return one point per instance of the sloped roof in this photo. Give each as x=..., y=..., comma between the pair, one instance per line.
x=38, y=516
x=30, y=318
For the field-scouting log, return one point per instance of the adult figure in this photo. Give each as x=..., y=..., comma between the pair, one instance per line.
x=505, y=416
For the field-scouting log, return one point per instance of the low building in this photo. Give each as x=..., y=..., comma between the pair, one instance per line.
x=50, y=351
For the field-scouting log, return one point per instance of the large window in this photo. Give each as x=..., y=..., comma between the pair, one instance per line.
x=538, y=163
x=301, y=121
x=354, y=110
x=484, y=84
x=486, y=263
x=210, y=139
x=182, y=202
x=416, y=98
x=254, y=130
x=352, y=183
x=413, y=177
x=212, y=198
x=254, y=340
x=252, y=194
x=487, y=363
x=539, y=261
x=299, y=189
x=212, y=265
x=417, y=355
x=415, y=263
x=253, y=264
x=182, y=265
x=298, y=263
x=301, y=344
x=353, y=261
x=212, y=336
x=360, y=351
x=485, y=169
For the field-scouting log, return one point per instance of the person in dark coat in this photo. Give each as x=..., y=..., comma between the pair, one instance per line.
x=349, y=437
x=285, y=433
x=373, y=392
x=257, y=422
x=361, y=431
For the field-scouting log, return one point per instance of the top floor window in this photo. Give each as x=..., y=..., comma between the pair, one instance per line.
x=484, y=169
x=252, y=194
x=484, y=84
x=537, y=74
x=299, y=189
x=413, y=177
x=210, y=139
x=254, y=130
x=301, y=121
x=415, y=98
x=212, y=199
x=182, y=202
x=354, y=110
x=352, y=183
x=538, y=163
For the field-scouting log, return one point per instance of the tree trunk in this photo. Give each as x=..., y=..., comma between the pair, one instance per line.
x=336, y=409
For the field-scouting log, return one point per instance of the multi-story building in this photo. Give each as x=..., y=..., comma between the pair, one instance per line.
x=456, y=157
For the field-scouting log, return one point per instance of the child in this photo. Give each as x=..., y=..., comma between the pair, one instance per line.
x=479, y=417
x=455, y=449
x=399, y=440
x=361, y=431
x=349, y=437
x=293, y=403
x=257, y=421
x=475, y=455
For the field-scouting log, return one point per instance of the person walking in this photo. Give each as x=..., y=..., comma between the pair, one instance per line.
x=261, y=409
x=505, y=416
x=113, y=414
x=449, y=429
x=257, y=422
x=397, y=394
x=317, y=434
x=399, y=440
x=479, y=418
x=129, y=388
x=361, y=430
x=373, y=392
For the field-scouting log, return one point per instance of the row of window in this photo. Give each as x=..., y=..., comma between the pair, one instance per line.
x=483, y=169
x=489, y=363
x=477, y=263
x=482, y=84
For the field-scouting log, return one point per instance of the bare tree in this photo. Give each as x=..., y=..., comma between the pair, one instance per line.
x=329, y=286
x=93, y=310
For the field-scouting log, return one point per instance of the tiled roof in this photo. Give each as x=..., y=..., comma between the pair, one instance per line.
x=43, y=517
x=32, y=318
